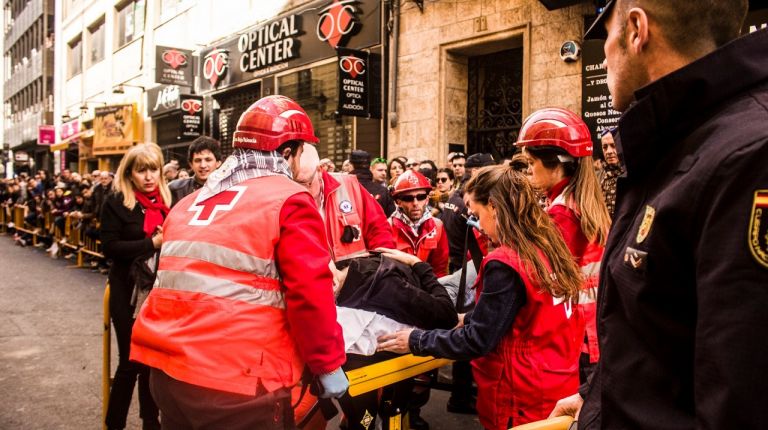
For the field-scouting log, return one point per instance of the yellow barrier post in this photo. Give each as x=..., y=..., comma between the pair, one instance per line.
x=106, y=372
x=3, y=220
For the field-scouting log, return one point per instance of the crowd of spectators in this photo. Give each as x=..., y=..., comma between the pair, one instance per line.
x=47, y=201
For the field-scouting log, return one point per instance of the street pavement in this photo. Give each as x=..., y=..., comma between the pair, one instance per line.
x=51, y=347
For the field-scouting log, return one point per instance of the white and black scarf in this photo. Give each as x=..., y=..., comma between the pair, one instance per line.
x=242, y=165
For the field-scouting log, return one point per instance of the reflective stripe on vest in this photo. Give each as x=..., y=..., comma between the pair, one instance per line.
x=221, y=256
x=226, y=289
x=217, y=316
x=590, y=270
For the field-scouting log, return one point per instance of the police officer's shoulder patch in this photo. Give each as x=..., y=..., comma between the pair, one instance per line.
x=645, y=225
x=758, y=228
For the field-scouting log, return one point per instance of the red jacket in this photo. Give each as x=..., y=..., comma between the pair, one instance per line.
x=587, y=255
x=535, y=364
x=347, y=203
x=243, y=289
x=431, y=246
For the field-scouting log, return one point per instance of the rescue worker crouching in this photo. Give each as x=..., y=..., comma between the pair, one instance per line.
x=243, y=287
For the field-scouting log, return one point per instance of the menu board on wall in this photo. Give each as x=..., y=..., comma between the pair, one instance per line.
x=596, y=101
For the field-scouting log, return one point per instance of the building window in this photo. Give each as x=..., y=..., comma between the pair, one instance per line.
x=130, y=22
x=96, y=42
x=75, y=57
x=169, y=8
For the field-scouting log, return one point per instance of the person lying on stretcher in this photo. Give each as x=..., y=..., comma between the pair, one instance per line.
x=384, y=292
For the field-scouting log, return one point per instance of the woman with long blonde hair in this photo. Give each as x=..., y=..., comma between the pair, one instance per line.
x=524, y=335
x=131, y=229
x=559, y=147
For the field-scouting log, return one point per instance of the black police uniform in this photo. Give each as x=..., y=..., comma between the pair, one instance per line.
x=683, y=300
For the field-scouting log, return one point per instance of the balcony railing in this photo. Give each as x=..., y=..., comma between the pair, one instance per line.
x=25, y=74
x=29, y=15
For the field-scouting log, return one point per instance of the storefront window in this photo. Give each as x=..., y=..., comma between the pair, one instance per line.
x=316, y=91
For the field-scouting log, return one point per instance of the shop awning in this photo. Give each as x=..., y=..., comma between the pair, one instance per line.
x=64, y=144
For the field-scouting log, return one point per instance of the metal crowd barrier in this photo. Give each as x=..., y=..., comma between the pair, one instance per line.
x=72, y=237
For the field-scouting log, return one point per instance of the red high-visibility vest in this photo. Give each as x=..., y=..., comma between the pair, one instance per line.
x=589, y=263
x=216, y=316
x=431, y=232
x=344, y=207
x=536, y=363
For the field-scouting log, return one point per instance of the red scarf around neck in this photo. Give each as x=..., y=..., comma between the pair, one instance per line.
x=154, y=212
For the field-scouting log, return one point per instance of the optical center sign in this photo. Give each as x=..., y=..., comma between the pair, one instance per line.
x=356, y=76
x=273, y=43
x=289, y=41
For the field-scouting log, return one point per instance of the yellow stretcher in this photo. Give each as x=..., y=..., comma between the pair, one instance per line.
x=388, y=372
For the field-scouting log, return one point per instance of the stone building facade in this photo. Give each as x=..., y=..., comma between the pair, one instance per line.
x=447, y=72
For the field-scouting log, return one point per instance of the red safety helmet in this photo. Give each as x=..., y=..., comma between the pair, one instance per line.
x=270, y=122
x=410, y=181
x=556, y=127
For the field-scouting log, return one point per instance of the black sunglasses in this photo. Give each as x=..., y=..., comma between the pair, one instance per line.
x=441, y=180
x=408, y=199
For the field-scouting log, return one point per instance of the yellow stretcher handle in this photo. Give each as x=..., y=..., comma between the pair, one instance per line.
x=557, y=423
x=388, y=372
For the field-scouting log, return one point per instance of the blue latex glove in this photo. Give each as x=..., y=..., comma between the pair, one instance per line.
x=334, y=384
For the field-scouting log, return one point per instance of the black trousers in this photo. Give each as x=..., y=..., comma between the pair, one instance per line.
x=128, y=372
x=185, y=406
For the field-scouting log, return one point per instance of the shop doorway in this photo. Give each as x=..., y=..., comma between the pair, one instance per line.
x=495, y=102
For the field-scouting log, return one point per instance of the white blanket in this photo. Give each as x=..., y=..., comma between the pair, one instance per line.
x=362, y=328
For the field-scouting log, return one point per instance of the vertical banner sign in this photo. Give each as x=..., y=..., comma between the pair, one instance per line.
x=596, y=101
x=191, y=117
x=354, y=85
x=69, y=129
x=46, y=134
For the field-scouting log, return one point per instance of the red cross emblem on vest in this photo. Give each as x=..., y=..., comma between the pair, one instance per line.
x=206, y=210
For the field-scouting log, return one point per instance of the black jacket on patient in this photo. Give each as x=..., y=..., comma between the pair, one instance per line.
x=409, y=295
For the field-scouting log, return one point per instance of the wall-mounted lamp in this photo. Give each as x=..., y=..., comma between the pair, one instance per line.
x=120, y=89
x=84, y=106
